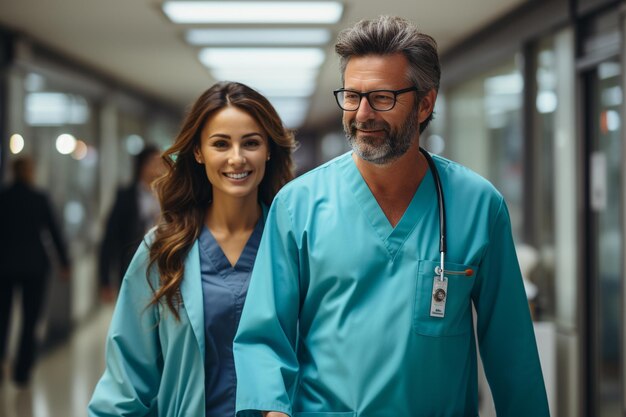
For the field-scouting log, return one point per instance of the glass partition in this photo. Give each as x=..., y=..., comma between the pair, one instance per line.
x=485, y=132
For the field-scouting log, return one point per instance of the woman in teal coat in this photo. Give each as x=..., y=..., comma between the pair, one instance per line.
x=169, y=348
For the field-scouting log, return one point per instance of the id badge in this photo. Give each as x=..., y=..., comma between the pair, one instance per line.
x=439, y=297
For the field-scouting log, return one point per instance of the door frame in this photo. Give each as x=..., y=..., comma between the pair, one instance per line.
x=585, y=65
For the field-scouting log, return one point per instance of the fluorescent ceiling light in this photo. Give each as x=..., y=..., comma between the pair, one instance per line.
x=289, y=105
x=293, y=88
x=262, y=57
x=292, y=121
x=291, y=110
x=289, y=76
x=258, y=36
x=253, y=12
x=285, y=91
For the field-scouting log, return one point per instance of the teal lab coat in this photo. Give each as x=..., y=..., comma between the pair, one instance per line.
x=340, y=324
x=154, y=364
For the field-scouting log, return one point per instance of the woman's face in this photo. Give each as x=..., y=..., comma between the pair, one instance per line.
x=234, y=150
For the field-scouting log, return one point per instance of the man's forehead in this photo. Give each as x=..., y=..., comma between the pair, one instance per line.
x=377, y=71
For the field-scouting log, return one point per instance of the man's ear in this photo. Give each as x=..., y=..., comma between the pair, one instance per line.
x=427, y=105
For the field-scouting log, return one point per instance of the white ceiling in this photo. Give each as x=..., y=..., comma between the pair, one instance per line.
x=132, y=41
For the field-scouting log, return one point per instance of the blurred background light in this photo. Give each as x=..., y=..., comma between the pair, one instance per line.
x=134, y=144
x=546, y=102
x=435, y=144
x=34, y=82
x=315, y=36
x=66, y=144
x=55, y=109
x=287, y=76
x=302, y=75
x=504, y=84
x=74, y=212
x=291, y=110
x=80, y=152
x=16, y=143
x=253, y=11
x=91, y=158
x=288, y=58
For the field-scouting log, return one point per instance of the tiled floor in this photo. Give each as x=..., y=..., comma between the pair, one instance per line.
x=64, y=378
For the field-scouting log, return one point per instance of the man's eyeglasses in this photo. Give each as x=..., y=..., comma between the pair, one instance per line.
x=379, y=100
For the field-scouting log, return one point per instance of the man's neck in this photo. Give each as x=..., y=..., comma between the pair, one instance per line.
x=394, y=185
x=396, y=178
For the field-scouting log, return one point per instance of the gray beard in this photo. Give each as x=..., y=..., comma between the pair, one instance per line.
x=393, y=144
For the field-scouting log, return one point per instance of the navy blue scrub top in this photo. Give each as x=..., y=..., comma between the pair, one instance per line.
x=224, y=288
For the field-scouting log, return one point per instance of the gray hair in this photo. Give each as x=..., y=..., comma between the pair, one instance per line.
x=388, y=35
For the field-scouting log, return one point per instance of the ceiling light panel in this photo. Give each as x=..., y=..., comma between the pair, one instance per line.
x=258, y=36
x=256, y=58
x=291, y=110
x=189, y=12
x=285, y=91
x=275, y=75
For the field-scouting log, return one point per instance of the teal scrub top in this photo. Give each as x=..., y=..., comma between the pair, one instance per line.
x=340, y=324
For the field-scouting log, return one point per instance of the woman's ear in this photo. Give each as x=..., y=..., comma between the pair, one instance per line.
x=198, y=156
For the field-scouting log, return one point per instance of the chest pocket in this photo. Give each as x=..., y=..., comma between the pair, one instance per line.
x=458, y=307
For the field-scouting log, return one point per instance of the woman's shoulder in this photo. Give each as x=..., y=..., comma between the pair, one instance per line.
x=140, y=262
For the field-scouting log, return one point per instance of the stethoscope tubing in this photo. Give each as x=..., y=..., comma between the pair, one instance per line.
x=442, y=210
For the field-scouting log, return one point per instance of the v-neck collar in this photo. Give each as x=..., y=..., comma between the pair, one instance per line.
x=213, y=251
x=392, y=237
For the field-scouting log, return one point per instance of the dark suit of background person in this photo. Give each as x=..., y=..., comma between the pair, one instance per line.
x=134, y=212
x=25, y=214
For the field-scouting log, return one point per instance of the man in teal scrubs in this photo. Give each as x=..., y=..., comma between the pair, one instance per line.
x=340, y=318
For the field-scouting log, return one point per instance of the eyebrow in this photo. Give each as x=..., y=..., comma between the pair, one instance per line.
x=225, y=136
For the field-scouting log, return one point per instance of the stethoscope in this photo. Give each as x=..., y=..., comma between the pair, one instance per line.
x=442, y=212
x=440, y=281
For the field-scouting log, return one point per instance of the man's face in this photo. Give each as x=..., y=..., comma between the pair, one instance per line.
x=380, y=137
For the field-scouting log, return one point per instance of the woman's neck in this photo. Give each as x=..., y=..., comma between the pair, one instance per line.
x=233, y=215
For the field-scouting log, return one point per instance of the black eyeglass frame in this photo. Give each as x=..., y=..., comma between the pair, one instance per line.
x=366, y=94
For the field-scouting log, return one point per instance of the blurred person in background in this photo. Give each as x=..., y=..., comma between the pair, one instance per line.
x=135, y=211
x=169, y=348
x=25, y=215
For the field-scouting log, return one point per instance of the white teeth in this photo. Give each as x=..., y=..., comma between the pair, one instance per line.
x=237, y=176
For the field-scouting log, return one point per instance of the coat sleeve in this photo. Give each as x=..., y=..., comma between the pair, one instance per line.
x=55, y=233
x=133, y=358
x=504, y=328
x=265, y=344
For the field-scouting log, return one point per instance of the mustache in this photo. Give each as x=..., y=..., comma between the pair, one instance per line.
x=368, y=125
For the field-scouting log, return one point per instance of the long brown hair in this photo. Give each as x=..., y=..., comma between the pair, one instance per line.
x=185, y=193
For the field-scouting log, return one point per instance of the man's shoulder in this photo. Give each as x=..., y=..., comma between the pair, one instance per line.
x=127, y=191
x=318, y=178
x=20, y=193
x=463, y=179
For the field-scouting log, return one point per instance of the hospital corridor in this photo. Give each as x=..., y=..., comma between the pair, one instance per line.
x=64, y=379
x=108, y=108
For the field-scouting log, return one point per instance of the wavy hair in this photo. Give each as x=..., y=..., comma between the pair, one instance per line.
x=185, y=193
x=387, y=35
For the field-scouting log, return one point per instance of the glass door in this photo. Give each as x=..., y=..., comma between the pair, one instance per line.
x=605, y=240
